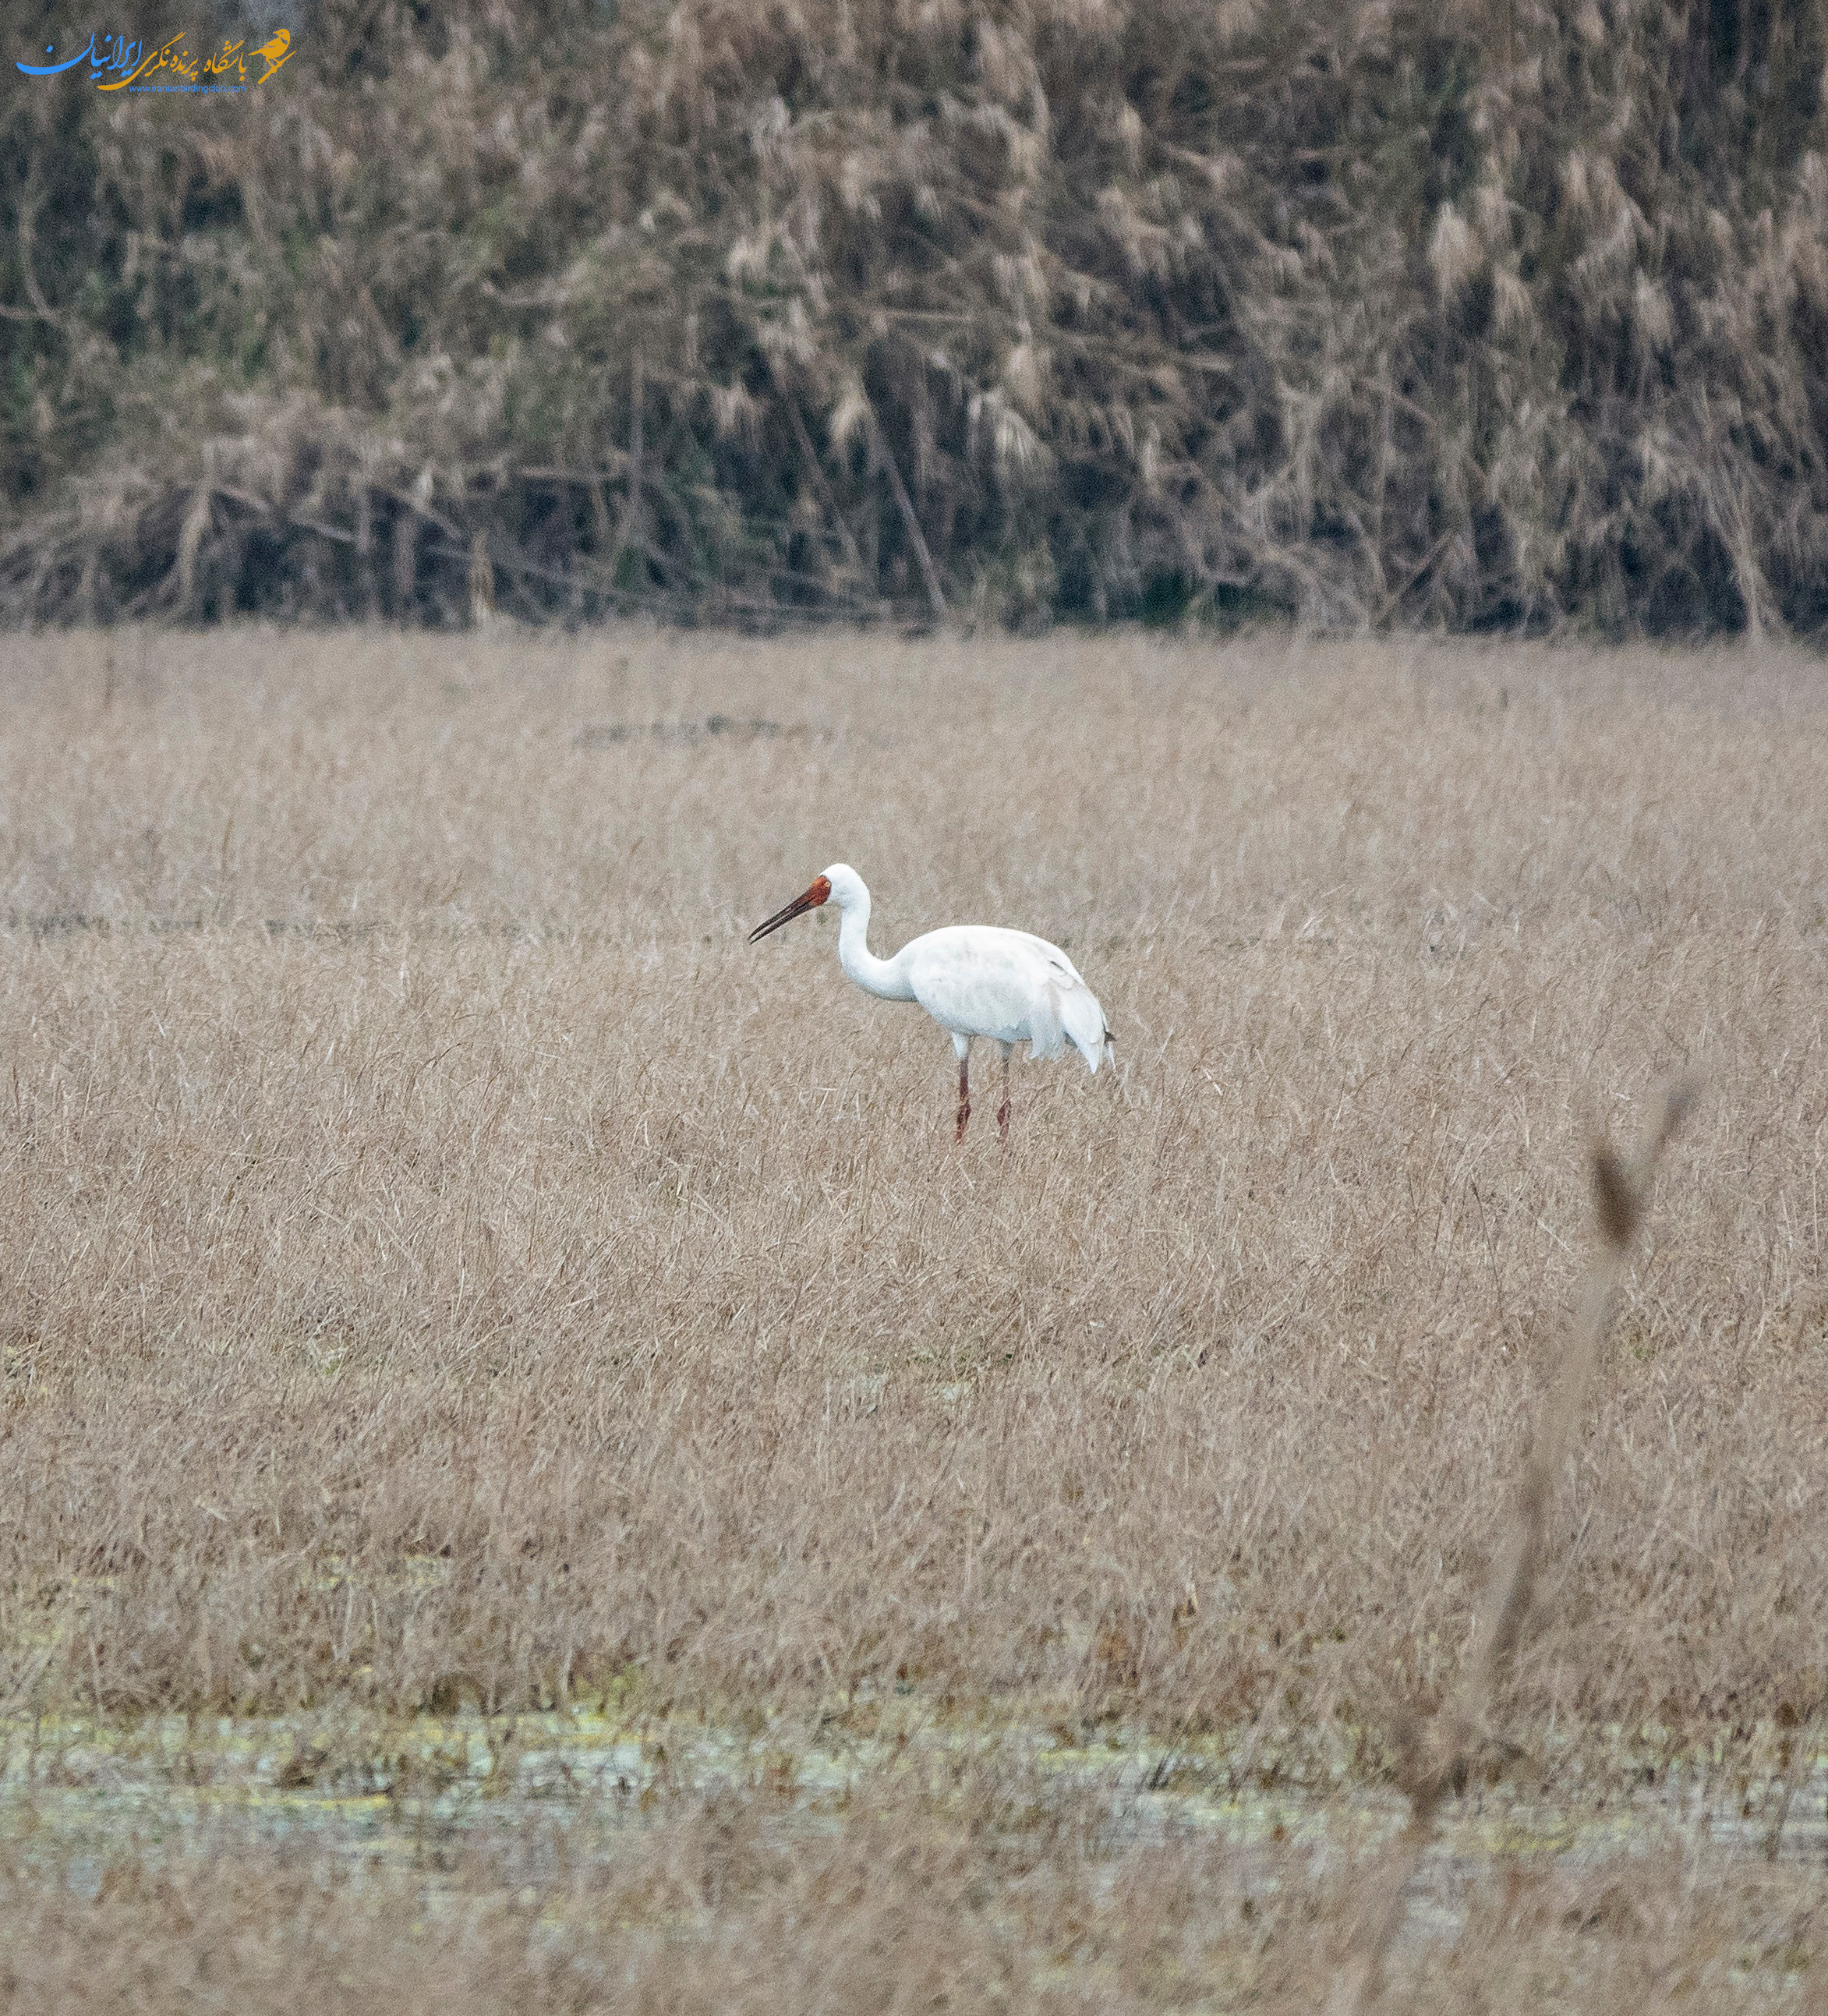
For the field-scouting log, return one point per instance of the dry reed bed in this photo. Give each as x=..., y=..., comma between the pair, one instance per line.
x=441, y=1257
x=1499, y=313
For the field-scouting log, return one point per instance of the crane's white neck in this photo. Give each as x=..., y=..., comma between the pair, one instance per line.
x=880, y=977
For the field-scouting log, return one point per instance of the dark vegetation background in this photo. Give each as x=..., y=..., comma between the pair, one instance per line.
x=1506, y=316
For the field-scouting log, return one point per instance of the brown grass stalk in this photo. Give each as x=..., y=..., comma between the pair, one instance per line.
x=1438, y=1758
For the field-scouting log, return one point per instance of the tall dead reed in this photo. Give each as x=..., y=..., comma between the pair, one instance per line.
x=1438, y=1759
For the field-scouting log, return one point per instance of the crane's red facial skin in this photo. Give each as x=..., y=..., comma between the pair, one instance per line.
x=810, y=901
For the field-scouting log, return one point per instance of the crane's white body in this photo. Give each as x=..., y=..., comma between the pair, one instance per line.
x=976, y=980
x=973, y=980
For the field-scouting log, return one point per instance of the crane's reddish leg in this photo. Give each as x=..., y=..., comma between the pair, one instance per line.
x=1002, y=1112
x=964, y=1097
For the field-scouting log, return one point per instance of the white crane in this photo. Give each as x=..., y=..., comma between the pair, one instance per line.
x=973, y=980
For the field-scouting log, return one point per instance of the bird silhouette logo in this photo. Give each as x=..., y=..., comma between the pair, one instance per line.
x=275, y=50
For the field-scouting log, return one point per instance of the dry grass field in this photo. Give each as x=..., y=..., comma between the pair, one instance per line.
x=443, y=1267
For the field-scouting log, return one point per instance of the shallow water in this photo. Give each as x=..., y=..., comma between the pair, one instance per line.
x=75, y=1796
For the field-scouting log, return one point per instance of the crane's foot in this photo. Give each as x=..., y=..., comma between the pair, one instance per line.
x=964, y=1101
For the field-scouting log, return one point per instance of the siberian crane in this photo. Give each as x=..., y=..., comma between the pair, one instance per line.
x=973, y=980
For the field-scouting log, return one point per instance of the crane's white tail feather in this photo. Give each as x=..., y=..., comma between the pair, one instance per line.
x=1047, y=1030
x=1072, y=1012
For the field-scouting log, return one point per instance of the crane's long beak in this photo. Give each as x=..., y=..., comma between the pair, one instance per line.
x=810, y=901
